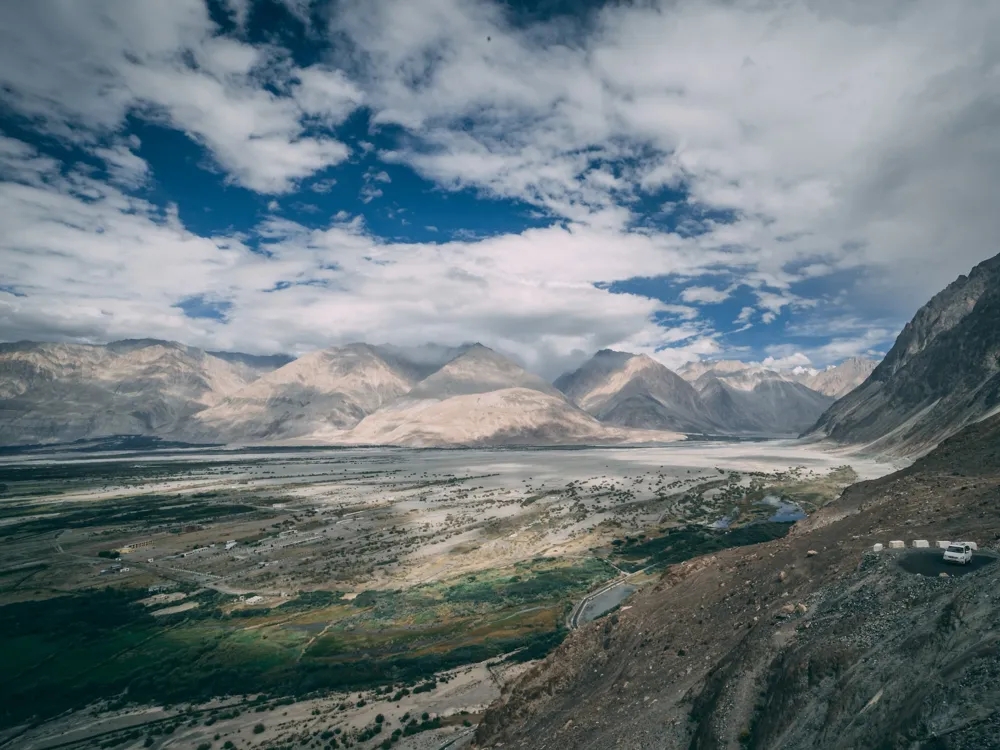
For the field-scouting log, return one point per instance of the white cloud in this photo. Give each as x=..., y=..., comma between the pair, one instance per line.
x=704, y=294
x=788, y=362
x=859, y=138
x=864, y=343
x=124, y=167
x=370, y=193
x=96, y=264
x=79, y=70
x=323, y=186
x=817, y=121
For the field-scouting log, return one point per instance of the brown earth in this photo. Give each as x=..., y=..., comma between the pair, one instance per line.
x=811, y=641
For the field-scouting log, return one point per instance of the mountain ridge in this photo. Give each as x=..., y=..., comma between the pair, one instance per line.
x=941, y=374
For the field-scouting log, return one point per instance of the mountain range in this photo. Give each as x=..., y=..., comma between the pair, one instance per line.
x=723, y=397
x=942, y=374
x=365, y=394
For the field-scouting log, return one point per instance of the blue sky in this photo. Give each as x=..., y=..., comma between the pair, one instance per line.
x=777, y=183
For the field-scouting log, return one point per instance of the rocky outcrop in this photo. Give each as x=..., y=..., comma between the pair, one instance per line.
x=941, y=374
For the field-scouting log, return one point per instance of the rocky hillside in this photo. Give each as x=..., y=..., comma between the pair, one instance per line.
x=507, y=416
x=726, y=397
x=694, y=370
x=64, y=392
x=633, y=390
x=942, y=373
x=805, y=643
x=477, y=369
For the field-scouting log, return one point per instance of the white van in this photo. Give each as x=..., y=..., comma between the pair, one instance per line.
x=958, y=552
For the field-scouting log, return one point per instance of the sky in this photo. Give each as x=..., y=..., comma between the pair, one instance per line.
x=785, y=181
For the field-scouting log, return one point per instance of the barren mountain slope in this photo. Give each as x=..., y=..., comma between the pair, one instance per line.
x=804, y=643
x=694, y=370
x=419, y=361
x=834, y=381
x=942, y=373
x=482, y=398
x=478, y=369
x=62, y=392
x=508, y=416
x=323, y=391
x=759, y=401
x=633, y=390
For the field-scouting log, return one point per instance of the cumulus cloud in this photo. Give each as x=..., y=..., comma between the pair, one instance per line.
x=124, y=167
x=89, y=262
x=821, y=127
x=79, y=70
x=800, y=143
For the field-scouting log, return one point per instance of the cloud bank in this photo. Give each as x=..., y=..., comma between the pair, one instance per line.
x=787, y=179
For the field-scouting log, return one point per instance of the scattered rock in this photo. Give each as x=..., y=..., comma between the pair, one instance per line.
x=811, y=552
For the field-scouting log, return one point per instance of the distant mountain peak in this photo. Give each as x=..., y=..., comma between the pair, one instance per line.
x=634, y=390
x=478, y=369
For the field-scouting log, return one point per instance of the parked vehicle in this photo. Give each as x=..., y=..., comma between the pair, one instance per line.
x=958, y=553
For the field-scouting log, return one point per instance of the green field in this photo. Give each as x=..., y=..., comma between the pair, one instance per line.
x=65, y=652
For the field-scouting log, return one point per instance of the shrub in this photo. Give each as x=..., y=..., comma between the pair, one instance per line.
x=258, y=728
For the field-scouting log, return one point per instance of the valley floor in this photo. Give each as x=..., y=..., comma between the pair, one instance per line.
x=139, y=589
